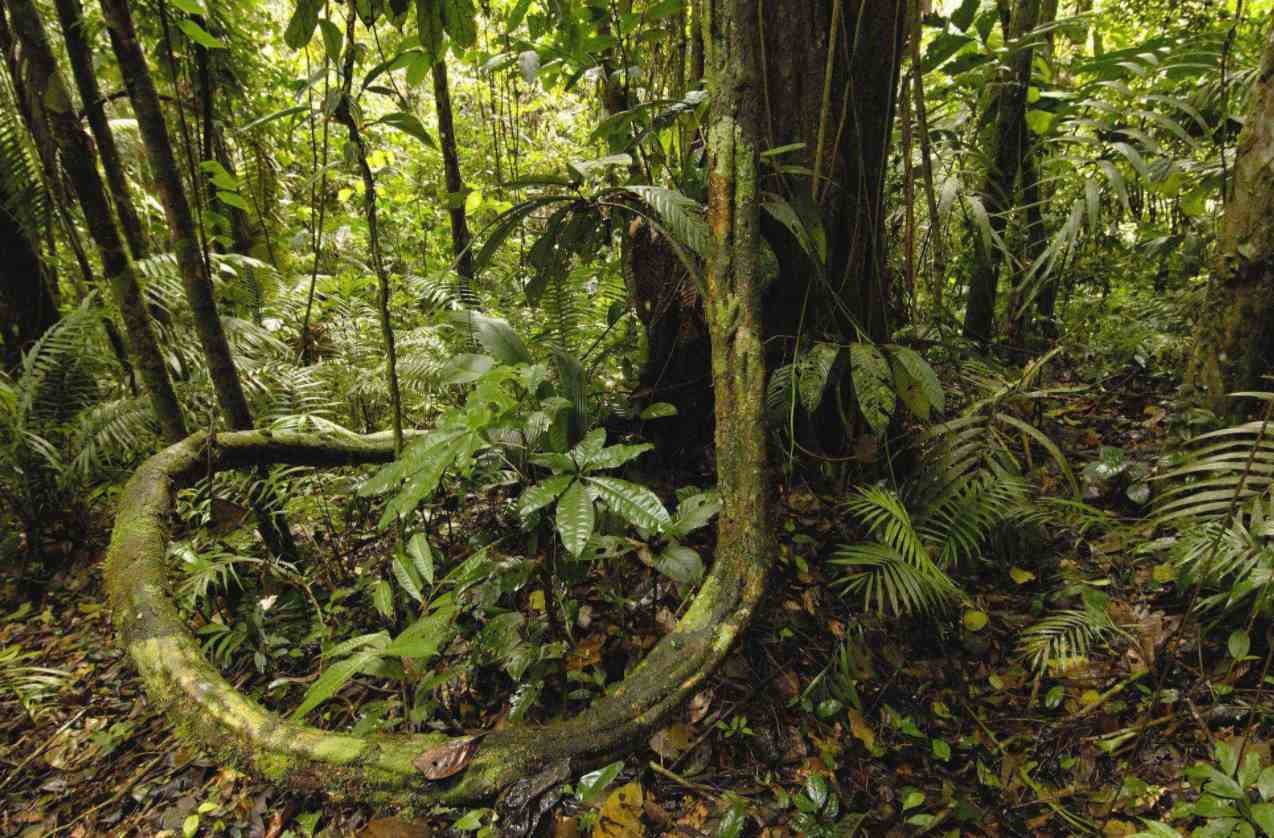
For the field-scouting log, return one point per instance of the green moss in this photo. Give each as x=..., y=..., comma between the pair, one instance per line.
x=273, y=767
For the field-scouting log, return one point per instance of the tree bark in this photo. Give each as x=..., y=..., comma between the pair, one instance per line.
x=836, y=95
x=78, y=160
x=71, y=17
x=27, y=308
x=1234, y=339
x=1006, y=159
x=344, y=114
x=460, y=237
x=181, y=223
x=190, y=257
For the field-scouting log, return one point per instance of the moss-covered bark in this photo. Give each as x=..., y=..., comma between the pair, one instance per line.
x=1234, y=340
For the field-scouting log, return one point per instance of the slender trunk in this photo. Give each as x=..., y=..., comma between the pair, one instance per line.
x=181, y=223
x=71, y=17
x=1006, y=159
x=1234, y=338
x=696, y=42
x=78, y=160
x=345, y=115
x=936, y=238
x=455, y=184
x=190, y=256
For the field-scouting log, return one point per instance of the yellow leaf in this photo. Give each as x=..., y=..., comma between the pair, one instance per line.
x=621, y=814
x=1021, y=576
x=1164, y=573
x=1089, y=697
x=861, y=730
x=537, y=600
x=975, y=620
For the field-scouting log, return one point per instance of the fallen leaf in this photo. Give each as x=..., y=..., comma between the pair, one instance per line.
x=699, y=706
x=1021, y=576
x=672, y=741
x=861, y=730
x=975, y=620
x=621, y=814
x=447, y=759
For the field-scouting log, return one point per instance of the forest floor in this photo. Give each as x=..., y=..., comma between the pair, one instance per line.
x=944, y=731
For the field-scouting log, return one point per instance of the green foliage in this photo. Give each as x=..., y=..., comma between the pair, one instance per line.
x=33, y=686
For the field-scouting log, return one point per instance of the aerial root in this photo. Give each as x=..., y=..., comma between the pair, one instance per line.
x=238, y=731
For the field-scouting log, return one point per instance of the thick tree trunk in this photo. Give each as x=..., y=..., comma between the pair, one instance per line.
x=27, y=308
x=78, y=160
x=836, y=94
x=460, y=237
x=71, y=17
x=1234, y=339
x=1006, y=160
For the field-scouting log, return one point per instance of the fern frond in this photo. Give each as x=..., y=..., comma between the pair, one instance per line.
x=1062, y=639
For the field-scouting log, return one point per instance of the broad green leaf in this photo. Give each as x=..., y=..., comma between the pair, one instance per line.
x=591, y=785
x=1240, y=644
x=616, y=455
x=962, y=18
x=943, y=47
x=1263, y=815
x=301, y=26
x=496, y=336
x=332, y=679
x=333, y=38
x=575, y=518
x=658, y=410
x=542, y=494
x=465, y=368
x=1040, y=121
x=199, y=35
x=872, y=385
x=232, y=199
x=680, y=564
x=407, y=576
x=423, y=638
x=430, y=28
x=695, y=512
x=916, y=382
x=383, y=598
x=422, y=557
x=410, y=124
x=635, y=504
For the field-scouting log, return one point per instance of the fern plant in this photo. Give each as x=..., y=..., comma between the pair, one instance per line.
x=30, y=684
x=1219, y=502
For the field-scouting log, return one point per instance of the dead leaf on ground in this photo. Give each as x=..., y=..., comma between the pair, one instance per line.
x=672, y=741
x=621, y=813
x=447, y=759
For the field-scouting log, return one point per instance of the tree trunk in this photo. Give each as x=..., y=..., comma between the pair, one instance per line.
x=836, y=95
x=344, y=114
x=190, y=257
x=460, y=237
x=181, y=223
x=78, y=160
x=27, y=308
x=1234, y=339
x=71, y=17
x=1006, y=159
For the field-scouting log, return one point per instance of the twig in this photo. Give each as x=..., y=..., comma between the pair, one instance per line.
x=1110, y=693
x=683, y=782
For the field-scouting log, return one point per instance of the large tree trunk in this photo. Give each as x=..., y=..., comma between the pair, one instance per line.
x=836, y=94
x=1006, y=160
x=71, y=17
x=1234, y=340
x=460, y=237
x=79, y=162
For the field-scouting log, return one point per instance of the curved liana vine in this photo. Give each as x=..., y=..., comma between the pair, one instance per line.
x=238, y=731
